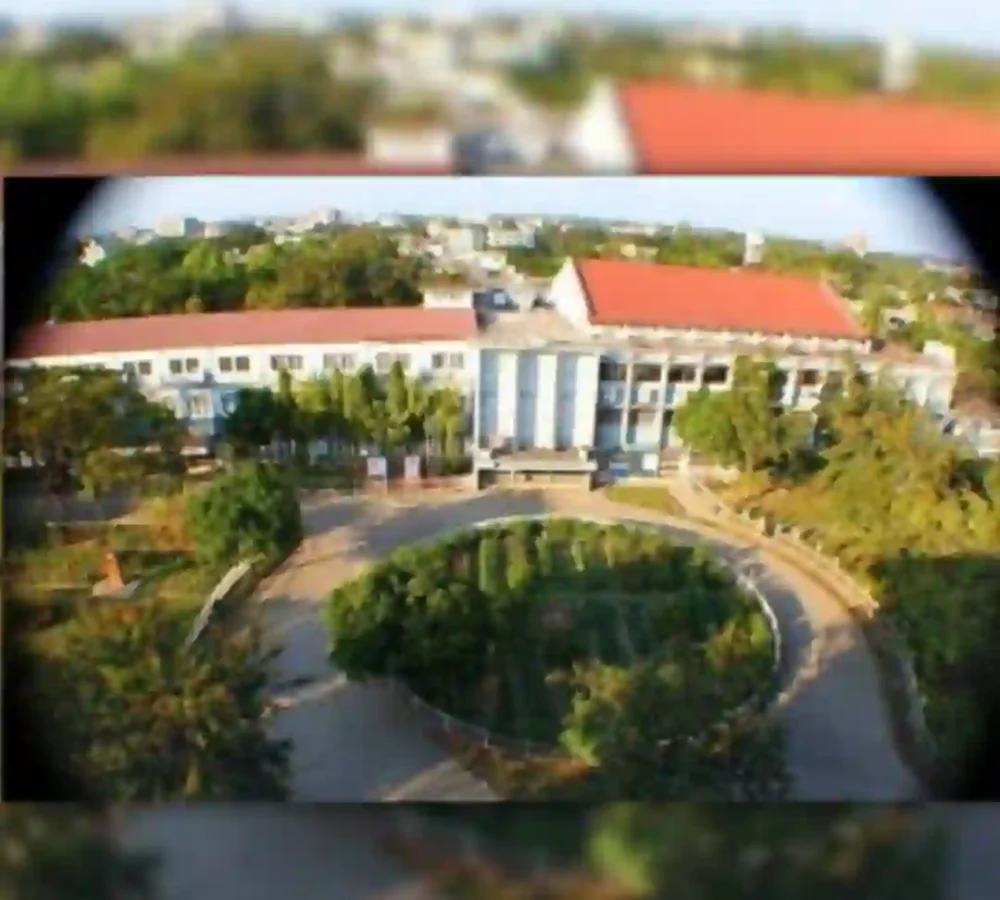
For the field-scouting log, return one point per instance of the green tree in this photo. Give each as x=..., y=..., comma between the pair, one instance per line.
x=52, y=852
x=138, y=717
x=249, y=512
x=688, y=851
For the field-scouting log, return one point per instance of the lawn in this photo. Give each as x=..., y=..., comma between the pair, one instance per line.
x=650, y=496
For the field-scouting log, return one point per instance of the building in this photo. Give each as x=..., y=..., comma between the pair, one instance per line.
x=601, y=365
x=658, y=126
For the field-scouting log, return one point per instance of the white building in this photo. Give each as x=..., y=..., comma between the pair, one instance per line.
x=604, y=363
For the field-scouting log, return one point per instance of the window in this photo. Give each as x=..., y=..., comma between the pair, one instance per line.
x=681, y=374
x=225, y=364
x=456, y=361
x=715, y=374
x=242, y=363
x=646, y=372
x=286, y=363
x=809, y=378
x=611, y=371
x=228, y=403
x=342, y=361
x=382, y=362
x=437, y=360
x=176, y=367
x=191, y=364
x=145, y=367
x=128, y=368
x=404, y=360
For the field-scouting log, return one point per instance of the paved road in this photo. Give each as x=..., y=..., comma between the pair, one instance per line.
x=267, y=851
x=359, y=742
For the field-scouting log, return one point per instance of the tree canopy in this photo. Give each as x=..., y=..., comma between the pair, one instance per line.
x=252, y=511
x=134, y=716
x=356, y=268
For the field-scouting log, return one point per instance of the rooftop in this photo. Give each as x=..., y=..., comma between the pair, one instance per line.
x=235, y=329
x=640, y=294
x=682, y=128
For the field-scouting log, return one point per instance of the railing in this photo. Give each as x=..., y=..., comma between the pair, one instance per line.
x=857, y=598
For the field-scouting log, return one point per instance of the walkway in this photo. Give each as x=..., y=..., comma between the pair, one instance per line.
x=359, y=742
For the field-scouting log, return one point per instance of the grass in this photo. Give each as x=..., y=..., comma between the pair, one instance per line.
x=651, y=497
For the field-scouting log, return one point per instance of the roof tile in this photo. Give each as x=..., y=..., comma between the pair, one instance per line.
x=747, y=300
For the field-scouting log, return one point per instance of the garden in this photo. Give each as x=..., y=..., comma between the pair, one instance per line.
x=122, y=702
x=572, y=642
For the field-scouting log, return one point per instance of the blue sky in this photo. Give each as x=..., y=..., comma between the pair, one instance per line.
x=893, y=212
x=972, y=23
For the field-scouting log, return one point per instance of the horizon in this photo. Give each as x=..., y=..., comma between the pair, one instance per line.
x=894, y=214
x=961, y=25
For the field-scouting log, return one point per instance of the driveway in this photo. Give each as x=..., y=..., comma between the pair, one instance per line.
x=360, y=742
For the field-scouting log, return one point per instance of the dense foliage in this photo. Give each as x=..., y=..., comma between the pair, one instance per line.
x=624, y=851
x=355, y=267
x=249, y=513
x=349, y=412
x=72, y=425
x=615, y=643
x=788, y=852
x=912, y=514
x=52, y=852
x=134, y=716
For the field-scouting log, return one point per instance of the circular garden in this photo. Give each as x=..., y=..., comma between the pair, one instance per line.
x=609, y=644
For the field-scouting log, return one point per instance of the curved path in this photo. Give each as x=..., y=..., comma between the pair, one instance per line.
x=360, y=741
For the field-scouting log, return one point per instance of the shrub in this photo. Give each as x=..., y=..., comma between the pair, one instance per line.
x=251, y=511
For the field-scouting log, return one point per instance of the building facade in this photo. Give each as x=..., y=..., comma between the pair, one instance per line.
x=601, y=363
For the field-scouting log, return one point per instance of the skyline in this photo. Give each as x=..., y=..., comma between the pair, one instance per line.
x=962, y=23
x=894, y=214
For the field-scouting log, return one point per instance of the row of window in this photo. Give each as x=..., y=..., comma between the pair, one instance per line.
x=295, y=363
x=646, y=373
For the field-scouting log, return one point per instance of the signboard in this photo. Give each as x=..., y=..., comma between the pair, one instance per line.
x=376, y=467
x=651, y=462
x=411, y=468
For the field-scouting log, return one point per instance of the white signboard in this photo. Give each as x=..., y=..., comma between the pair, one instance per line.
x=376, y=467
x=411, y=468
x=651, y=462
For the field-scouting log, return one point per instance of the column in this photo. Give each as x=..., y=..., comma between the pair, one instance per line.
x=661, y=406
x=627, y=403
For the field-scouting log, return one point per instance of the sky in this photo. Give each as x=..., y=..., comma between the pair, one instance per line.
x=893, y=213
x=972, y=23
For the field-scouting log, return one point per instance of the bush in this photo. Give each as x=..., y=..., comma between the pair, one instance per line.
x=251, y=511
x=136, y=717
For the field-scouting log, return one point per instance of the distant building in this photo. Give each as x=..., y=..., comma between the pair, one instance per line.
x=858, y=243
x=177, y=227
x=753, y=248
x=898, y=65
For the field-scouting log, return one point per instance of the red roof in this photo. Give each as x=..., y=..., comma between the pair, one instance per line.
x=648, y=295
x=295, y=326
x=680, y=128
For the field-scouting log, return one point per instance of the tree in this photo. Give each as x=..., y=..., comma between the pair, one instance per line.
x=252, y=511
x=652, y=729
x=252, y=423
x=139, y=717
x=71, y=423
x=780, y=852
x=51, y=852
